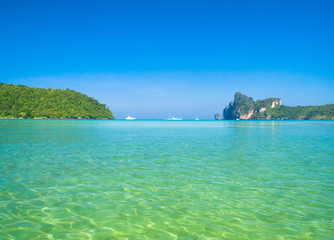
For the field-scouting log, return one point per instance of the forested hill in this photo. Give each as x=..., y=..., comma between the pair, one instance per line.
x=246, y=108
x=18, y=101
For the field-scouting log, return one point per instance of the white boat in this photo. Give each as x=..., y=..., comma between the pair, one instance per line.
x=197, y=118
x=129, y=118
x=174, y=118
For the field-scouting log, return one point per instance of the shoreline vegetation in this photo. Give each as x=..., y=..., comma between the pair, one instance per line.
x=23, y=102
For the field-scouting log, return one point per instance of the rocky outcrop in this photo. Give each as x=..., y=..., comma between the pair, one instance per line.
x=262, y=110
x=275, y=103
x=217, y=116
x=247, y=116
x=246, y=108
x=228, y=112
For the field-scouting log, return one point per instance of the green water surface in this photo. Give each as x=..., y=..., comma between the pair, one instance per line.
x=88, y=179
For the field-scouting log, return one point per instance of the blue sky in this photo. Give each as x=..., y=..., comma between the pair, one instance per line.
x=149, y=59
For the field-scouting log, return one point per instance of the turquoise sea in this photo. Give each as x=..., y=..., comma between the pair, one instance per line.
x=100, y=179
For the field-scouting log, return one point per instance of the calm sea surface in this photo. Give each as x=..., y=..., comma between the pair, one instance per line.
x=82, y=179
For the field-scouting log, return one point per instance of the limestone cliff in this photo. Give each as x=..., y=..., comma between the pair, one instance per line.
x=245, y=108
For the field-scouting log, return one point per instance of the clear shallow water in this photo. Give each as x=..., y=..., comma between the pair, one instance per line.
x=78, y=179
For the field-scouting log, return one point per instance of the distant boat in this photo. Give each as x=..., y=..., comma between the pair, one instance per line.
x=129, y=118
x=197, y=118
x=173, y=118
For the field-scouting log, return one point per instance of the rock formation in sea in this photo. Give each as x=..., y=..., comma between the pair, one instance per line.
x=245, y=108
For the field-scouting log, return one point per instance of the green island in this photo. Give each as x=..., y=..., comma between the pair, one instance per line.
x=19, y=101
x=245, y=108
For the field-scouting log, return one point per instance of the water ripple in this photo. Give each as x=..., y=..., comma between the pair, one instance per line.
x=160, y=180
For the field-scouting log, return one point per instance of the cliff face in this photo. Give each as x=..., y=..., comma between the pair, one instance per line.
x=248, y=115
x=228, y=112
x=276, y=103
x=246, y=108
